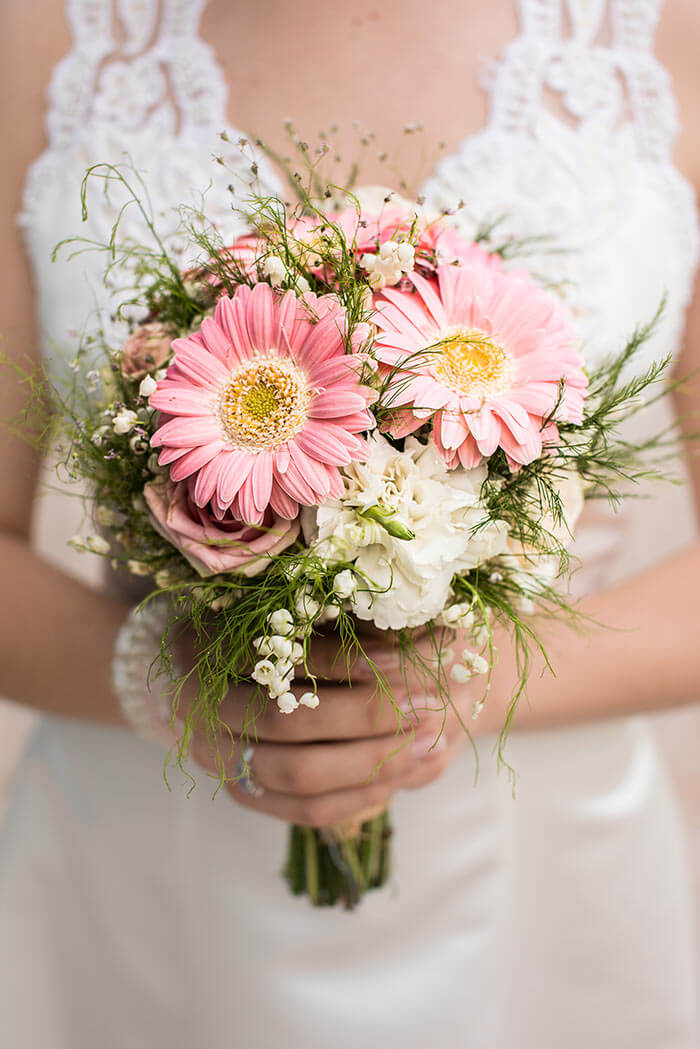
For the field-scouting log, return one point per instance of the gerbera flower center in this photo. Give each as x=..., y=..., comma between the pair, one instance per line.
x=471, y=363
x=264, y=404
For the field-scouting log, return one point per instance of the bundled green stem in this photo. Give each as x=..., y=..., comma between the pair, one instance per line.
x=331, y=869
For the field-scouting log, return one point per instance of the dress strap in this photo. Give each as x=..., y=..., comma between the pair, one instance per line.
x=590, y=66
x=135, y=67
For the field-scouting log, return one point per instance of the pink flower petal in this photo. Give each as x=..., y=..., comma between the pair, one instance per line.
x=197, y=366
x=282, y=503
x=322, y=445
x=337, y=370
x=336, y=402
x=181, y=400
x=230, y=315
x=295, y=486
x=245, y=507
x=524, y=451
x=170, y=455
x=404, y=313
x=215, y=340
x=469, y=454
x=261, y=478
x=281, y=459
x=186, y=431
x=452, y=428
x=312, y=470
x=194, y=460
x=260, y=317
x=486, y=431
x=206, y=482
x=430, y=297
x=235, y=469
x=324, y=340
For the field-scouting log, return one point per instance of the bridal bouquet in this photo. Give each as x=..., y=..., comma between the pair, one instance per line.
x=352, y=419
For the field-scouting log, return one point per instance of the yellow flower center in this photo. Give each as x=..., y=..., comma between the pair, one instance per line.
x=264, y=403
x=471, y=363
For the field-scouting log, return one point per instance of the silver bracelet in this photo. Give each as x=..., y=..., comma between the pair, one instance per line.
x=145, y=708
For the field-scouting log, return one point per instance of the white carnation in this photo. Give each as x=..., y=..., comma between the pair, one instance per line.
x=410, y=578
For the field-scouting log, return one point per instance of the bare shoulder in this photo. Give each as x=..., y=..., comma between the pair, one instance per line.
x=678, y=48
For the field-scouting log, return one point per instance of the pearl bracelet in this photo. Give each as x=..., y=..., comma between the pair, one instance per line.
x=137, y=645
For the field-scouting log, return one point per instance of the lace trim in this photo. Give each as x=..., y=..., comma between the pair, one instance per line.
x=589, y=64
x=133, y=62
x=139, y=83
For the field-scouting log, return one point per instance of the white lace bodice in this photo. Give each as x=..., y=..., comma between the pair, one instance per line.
x=577, y=150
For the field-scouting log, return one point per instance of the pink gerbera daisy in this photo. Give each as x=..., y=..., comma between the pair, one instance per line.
x=487, y=353
x=263, y=404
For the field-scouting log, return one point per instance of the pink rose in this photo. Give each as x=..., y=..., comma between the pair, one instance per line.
x=147, y=348
x=213, y=546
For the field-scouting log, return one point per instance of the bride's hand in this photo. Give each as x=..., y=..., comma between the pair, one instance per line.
x=350, y=754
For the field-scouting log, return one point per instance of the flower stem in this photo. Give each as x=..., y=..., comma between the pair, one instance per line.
x=330, y=869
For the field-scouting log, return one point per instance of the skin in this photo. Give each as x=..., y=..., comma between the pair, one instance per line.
x=321, y=766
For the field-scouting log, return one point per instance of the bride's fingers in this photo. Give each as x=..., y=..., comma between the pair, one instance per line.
x=322, y=810
x=321, y=768
x=343, y=713
x=327, y=660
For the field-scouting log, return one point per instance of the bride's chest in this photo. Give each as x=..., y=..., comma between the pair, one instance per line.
x=361, y=75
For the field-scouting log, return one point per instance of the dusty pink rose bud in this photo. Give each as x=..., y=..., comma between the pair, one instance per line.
x=147, y=348
x=213, y=546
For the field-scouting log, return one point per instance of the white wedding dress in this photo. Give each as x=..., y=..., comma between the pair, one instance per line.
x=135, y=918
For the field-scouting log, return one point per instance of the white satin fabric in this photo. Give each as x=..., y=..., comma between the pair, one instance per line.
x=131, y=916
